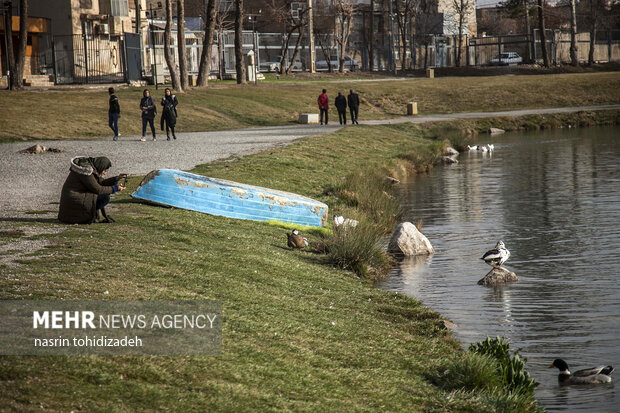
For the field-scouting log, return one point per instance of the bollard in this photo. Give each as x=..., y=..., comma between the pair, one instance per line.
x=412, y=108
x=430, y=73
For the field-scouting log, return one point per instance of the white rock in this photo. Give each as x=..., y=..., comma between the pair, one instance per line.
x=407, y=240
x=450, y=151
x=495, y=131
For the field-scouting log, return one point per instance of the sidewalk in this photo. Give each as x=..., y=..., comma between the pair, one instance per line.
x=33, y=182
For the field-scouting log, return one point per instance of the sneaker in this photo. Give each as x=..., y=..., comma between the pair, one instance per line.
x=115, y=138
x=143, y=139
x=154, y=138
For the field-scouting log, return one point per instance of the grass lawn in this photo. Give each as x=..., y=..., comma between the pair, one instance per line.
x=82, y=113
x=298, y=334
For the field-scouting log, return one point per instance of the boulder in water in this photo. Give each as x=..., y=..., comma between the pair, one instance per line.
x=498, y=276
x=407, y=240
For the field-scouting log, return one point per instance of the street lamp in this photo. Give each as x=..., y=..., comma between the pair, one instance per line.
x=252, y=18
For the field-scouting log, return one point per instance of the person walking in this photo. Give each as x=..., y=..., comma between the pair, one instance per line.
x=114, y=112
x=148, y=108
x=86, y=192
x=323, y=102
x=354, y=105
x=341, y=105
x=169, y=113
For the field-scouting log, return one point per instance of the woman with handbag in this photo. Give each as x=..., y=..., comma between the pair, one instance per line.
x=169, y=113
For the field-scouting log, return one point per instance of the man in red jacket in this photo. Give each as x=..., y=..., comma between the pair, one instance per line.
x=323, y=105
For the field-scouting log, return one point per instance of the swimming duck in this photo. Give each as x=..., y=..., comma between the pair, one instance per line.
x=295, y=240
x=497, y=256
x=595, y=375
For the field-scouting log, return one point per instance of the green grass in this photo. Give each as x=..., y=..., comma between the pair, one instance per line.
x=82, y=113
x=299, y=334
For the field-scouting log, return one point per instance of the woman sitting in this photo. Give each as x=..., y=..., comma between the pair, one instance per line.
x=85, y=192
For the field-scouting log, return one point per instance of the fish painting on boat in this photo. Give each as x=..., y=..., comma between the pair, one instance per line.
x=215, y=196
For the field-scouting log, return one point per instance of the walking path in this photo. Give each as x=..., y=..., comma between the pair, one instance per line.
x=33, y=182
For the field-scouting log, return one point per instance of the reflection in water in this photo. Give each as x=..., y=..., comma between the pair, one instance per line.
x=554, y=198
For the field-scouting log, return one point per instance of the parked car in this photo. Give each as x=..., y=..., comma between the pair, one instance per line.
x=349, y=63
x=505, y=59
x=273, y=64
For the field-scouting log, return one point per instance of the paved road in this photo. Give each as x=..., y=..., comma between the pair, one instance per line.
x=33, y=182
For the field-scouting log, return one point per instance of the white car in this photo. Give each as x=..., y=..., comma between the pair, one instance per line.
x=349, y=64
x=506, y=59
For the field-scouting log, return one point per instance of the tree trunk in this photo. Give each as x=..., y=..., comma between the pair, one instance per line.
x=543, y=35
x=239, y=61
x=220, y=51
x=181, y=43
x=172, y=67
x=593, y=18
x=17, y=79
x=371, y=40
x=284, y=55
x=296, y=52
x=8, y=28
x=574, y=60
x=460, y=42
x=528, y=31
x=207, y=45
x=136, y=4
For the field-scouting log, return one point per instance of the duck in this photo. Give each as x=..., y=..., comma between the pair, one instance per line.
x=491, y=147
x=594, y=375
x=295, y=240
x=472, y=148
x=496, y=256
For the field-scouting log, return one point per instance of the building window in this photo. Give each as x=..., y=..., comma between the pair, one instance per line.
x=119, y=8
x=159, y=4
x=86, y=4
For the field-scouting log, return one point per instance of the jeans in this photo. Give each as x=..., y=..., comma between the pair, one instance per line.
x=150, y=122
x=342, y=116
x=113, y=122
x=102, y=201
x=324, y=112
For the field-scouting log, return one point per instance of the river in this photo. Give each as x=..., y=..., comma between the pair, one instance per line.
x=553, y=197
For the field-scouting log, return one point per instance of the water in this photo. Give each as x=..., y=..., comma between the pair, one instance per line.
x=553, y=197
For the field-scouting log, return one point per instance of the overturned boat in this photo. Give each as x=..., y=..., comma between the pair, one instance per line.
x=229, y=199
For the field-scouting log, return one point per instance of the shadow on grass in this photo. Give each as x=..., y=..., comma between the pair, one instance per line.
x=30, y=220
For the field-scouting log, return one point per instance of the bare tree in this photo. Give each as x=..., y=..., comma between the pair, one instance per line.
x=291, y=20
x=172, y=66
x=209, y=15
x=593, y=18
x=404, y=10
x=324, y=28
x=16, y=63
x=543, y=35
x=181, y=43
x=574, y=60
x=136, y=4
x=239, y=61
x=223, y=22
x=462, y=8
x=344, y=20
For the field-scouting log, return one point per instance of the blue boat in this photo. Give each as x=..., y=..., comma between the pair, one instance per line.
x=229, y=199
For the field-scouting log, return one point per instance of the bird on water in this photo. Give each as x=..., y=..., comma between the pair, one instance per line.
x=497, y=256
x=594, y=375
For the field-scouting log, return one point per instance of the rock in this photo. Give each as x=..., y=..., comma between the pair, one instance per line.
x=449, y=159
x=407, y=240
x=450, y=151
x=446, y=324
x=38, y=149
x=498, y=276
x=495, y=131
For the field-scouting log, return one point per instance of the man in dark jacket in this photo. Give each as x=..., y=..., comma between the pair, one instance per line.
x=323, y=102
x=114, y=112
x=85, y=192
x=341, y=105
x=354, y=105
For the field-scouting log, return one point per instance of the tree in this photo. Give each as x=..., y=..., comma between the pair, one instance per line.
x=291, y=20
x=324, y=29
x=16, y=63
x=209, y=16
x=172, y=66
x=136, y=4
x=543, y=35
x=239, y=61
x=344, y=19
x=573, y=33
x=222, y=22
x=462, y=8
x=181, y=43
x=404, y=13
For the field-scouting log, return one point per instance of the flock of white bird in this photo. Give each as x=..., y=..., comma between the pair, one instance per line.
x=482, y=148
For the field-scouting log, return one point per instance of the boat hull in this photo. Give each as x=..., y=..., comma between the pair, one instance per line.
x=230, y=199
